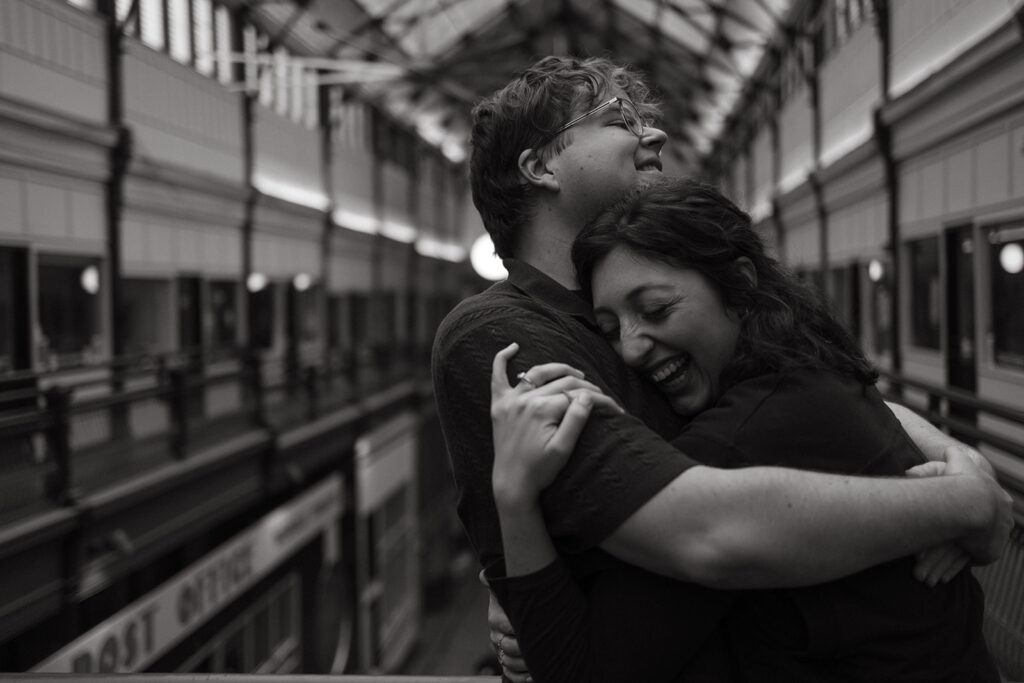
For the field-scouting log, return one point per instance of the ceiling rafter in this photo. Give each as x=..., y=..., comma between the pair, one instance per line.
x=698, y=55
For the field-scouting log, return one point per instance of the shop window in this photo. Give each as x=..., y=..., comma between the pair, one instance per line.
x=261, y=317
x=303, y=315
x=359, y=324
x=881, y=307
x=69, y=308
x=14, y=347
x=1006, y=254
x=234, y=652
x=146, y=315
x=846, y=297
x=224, y=314
x=925, y=293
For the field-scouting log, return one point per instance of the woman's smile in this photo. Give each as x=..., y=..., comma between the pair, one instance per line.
x=668, y=323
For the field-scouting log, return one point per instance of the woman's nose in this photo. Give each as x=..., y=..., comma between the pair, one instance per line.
x=635, y=348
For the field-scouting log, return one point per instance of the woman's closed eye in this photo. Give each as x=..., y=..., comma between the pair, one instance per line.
x=655, y=313
x=610, y=333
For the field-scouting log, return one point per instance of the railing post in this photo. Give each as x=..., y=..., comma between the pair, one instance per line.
x=178, y=402
x=58, y=436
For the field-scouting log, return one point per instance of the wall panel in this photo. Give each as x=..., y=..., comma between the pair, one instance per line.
x=849, y=91
x=794, y=142
x=286, y=152
x=180, y=117
x=927, y=35
x=53, y=56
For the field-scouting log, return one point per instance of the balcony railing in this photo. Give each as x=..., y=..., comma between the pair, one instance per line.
x=69, y=431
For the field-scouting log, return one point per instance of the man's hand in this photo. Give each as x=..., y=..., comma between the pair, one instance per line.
x=938, y=564
x=994, y=507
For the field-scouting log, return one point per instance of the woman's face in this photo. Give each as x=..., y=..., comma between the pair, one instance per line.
x=668, y=323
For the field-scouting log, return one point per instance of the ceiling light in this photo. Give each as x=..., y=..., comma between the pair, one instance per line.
x=1011, y=258
x=485, y=262
x=256, y=282
x=90, y=279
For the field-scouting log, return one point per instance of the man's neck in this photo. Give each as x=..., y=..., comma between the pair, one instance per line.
x=548, y=249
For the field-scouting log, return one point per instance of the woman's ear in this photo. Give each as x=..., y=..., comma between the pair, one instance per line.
x=535, y=171
x=747, y=269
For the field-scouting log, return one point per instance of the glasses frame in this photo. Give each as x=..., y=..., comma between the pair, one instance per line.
x=622, y=101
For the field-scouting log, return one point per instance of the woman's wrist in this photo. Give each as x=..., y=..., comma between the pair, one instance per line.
x=515, y=498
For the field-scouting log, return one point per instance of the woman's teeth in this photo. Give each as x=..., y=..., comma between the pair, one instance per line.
x=671, y=371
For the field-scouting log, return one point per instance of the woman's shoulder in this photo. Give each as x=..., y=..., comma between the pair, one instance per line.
x=800, y=418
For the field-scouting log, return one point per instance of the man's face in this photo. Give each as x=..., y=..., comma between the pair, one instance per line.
x=603, y=161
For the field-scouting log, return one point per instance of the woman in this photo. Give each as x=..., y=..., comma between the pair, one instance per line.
x=683, y=289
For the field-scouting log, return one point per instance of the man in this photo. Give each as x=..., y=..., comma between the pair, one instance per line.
x=550, y=151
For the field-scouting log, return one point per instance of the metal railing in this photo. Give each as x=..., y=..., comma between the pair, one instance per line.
x=1003, y=581
x=251, y=678
x=66, y=431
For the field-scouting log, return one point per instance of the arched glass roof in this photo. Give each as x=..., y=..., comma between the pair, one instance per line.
x=428, y=61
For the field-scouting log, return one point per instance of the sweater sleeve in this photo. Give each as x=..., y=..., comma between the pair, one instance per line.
x=628, y=625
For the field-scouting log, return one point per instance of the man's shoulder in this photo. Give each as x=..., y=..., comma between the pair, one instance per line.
x=500, y=307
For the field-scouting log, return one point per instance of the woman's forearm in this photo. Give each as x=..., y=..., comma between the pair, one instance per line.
x=525, y=539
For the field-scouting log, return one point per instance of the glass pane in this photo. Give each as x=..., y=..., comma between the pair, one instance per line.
x=203, y=20
x=261, y=317
x=152, y=15
x=925, y=294
x=282, y=81
x=1006, y=250
x=121, y=8
x=224, y=309
x=234, y=652
x=181, y=30
x=147, y=315
x=224, y=71
x=261, y=636
x=68, y=309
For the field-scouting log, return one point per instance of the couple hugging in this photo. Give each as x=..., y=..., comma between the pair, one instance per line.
x=671, y=460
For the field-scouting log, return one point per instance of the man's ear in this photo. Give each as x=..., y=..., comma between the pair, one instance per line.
x=747, y=270
x=535, y=171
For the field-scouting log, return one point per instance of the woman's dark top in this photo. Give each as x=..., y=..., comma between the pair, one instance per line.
x=880, y=624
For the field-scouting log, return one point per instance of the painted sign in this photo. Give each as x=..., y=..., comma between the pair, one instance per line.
x=135, y=637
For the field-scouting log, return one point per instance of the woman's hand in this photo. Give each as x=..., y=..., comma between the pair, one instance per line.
x=536, y=424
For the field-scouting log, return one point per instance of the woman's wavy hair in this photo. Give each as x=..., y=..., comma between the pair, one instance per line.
x=785, y=325
x=523, y=115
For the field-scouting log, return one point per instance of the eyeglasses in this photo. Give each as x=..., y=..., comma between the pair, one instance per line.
x=627, y=110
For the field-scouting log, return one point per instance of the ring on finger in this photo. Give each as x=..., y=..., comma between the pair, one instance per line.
x=524, y=379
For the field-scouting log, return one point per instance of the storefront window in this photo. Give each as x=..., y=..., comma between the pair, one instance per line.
x=224, y=313
x=261, y=317
x=881, y=306
x=925, y=293
x=69, y=308
x=846, y=297
x=1006, y=254
x=146, y=315
x=13, y=310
